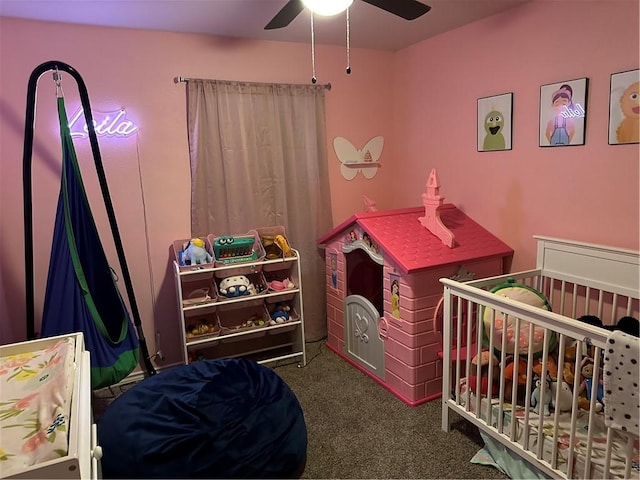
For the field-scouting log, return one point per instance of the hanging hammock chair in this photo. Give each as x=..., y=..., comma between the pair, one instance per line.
x=81, y=293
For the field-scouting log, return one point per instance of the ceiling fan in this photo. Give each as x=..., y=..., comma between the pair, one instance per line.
x=407, y=9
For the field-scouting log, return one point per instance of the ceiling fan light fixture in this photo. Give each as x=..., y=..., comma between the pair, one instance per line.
x=327, y=7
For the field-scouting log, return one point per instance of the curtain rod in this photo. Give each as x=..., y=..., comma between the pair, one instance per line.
x=185, y=80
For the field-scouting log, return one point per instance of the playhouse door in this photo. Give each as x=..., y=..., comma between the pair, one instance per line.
x=363, y=343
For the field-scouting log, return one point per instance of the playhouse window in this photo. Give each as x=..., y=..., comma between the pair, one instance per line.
x=364, y=278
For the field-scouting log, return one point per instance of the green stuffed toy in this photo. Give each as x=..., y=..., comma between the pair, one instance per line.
x=195, y=253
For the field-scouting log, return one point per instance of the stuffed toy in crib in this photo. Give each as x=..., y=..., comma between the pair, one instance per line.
x=586, y=386
x=484, y=359
x=565, y=399
x=535, y=395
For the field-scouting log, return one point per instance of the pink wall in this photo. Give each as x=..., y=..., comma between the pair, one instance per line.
x=589, y=192
x=135, y=69
x=422, y=100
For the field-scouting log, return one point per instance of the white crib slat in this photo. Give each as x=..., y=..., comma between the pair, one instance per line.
x=527, y=399
x=574, y=303
x=607, y=457
x=628, y=456
x=574, y=409
x=446, y=358
x=592, y=411
x=458, y=343
x=587, y=305
x=614, y=310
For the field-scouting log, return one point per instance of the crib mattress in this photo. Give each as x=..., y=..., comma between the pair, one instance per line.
x=598, y=430
x=36, y=387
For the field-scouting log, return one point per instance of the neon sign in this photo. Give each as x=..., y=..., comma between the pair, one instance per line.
x=577, y=112
x=106, y=124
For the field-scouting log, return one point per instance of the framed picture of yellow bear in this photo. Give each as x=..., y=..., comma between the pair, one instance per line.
x=624, y=108
x=495, y=117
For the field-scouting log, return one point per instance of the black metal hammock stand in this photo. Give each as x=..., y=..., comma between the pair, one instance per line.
x=81, y=292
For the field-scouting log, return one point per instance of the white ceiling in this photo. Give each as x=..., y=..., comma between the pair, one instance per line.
x=370, y=27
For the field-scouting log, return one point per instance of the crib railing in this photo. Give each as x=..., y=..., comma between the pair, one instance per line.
x=507, y=416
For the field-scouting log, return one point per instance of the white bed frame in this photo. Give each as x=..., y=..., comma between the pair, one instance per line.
x=82, y=459
x=578, y=279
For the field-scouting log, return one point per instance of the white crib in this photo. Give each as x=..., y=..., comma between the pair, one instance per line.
x=577, y=279
x=46, y=427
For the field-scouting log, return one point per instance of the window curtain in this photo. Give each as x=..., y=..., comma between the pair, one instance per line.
x=258, y=159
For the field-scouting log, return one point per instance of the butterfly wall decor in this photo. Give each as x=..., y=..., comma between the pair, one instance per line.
x=352, y=160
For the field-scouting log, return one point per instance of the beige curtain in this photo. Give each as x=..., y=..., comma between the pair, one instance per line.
x=258, y=159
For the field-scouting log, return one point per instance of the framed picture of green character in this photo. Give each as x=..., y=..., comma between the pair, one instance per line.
x=495, y=122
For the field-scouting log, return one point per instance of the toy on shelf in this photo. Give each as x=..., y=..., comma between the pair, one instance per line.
x=254, y=320
x=236, y=286
x=196, y=297
x=232, y=249
x=279, y=313
x=201, y=327
x=276, y=246
x=278, y=285
x=195, y=253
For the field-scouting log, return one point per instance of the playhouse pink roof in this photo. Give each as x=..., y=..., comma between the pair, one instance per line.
x=401, y=236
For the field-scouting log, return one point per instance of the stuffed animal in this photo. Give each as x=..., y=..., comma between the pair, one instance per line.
x=279, y=313
x=586, y=386
x=537, y=392
x=195, y=253
x=484, y=360
x=509, y=370
x=564, y=400
x=235, y=286
x=551, y=367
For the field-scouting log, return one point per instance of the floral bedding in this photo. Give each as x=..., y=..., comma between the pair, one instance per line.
x=35, y=405
x=599, y=443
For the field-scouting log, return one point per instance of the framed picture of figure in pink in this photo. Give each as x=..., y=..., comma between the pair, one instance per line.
x=624, y=108
x=563, y=113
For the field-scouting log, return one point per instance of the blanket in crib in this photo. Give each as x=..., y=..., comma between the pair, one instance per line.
x=598, y=431
x=35, y=404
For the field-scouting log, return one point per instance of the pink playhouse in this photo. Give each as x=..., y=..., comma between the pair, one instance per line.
x=383, y=289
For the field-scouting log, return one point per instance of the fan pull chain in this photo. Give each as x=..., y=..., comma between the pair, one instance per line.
x=313, y=54
x=348, y=60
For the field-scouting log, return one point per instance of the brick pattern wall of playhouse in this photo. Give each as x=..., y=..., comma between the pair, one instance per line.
x=412, y=368
x=411, y=365
x=335, y=297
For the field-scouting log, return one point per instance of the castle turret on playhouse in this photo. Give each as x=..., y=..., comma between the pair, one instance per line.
x=383, y=289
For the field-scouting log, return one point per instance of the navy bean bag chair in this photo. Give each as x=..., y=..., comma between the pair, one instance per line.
x=230, y=418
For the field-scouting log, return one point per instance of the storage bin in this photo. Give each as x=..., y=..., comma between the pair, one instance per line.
x=178, y=249
x=279, y=285
x=199, y=291
x=202, y=326
x=257, y=286
x=272, y=247
x=243, y=319
x=272, y=307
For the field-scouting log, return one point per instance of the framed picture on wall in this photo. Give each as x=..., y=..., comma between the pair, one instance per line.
x=624, y=107
x=563, y=113
x=495, y=122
